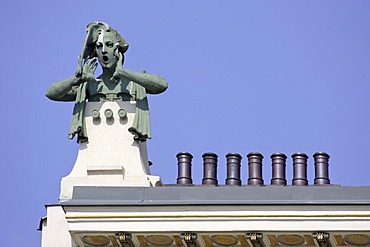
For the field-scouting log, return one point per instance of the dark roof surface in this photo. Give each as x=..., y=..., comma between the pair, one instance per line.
x=221, y=195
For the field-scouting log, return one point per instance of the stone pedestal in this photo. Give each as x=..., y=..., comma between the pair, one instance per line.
x=111, y=157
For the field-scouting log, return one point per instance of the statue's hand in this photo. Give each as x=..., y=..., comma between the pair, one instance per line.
x=79, y=67
x=88, y=70
x=118, y=72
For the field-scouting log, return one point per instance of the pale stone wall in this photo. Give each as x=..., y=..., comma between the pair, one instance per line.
x=111, y=157
x=55, y=229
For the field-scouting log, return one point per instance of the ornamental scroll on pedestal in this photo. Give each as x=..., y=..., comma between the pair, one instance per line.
x=110, y=116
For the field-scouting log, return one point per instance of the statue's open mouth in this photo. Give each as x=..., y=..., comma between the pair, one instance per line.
x=105, y=58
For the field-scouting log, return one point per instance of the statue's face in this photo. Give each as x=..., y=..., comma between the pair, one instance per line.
x=105, y=51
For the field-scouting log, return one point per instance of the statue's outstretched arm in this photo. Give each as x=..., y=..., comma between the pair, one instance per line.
x=65, y=90
x=154, y=84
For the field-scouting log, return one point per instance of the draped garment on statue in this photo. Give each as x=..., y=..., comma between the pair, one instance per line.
x=141, y=125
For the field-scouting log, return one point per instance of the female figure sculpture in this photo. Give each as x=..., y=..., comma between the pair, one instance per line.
x=106, y=46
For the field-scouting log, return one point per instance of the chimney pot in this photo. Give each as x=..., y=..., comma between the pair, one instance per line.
x=209, y=169
x=184, y=168
x=255, y=168
x=300, y=169
x=321, y=168
x=233, y=169
x=278, y=163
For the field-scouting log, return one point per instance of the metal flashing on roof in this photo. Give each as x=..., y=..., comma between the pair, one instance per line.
x=221, y=195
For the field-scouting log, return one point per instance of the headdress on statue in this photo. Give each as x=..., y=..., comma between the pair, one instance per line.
x=95, y=32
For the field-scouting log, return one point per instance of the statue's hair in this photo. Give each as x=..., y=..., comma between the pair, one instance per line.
x=118, y=40
x=93, y=30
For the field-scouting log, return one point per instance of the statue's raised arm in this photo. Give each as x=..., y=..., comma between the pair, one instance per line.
x=66, y=90
x=154, y=84
x=106, y=46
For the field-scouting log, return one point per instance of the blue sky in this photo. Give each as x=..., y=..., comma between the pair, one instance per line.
x=265, y=76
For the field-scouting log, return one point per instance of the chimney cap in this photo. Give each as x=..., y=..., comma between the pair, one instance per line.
x=255, y=154
x=233, y=154
x=210, y=154
x=299, y=154
x=278, y=154
x=184, y=153
x=321, y=153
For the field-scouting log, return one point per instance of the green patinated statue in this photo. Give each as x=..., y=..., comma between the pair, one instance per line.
x=106, y=46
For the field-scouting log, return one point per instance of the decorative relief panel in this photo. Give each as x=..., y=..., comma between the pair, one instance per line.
x=99, y=240
x=290, y=240
x=236, y=239
x=352, y=240
x=225, y=240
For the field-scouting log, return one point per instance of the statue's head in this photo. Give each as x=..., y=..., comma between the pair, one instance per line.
x=105, y=43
